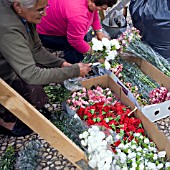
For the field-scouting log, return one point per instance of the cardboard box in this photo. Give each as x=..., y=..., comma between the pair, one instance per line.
x=156, y=111
x=154, y=134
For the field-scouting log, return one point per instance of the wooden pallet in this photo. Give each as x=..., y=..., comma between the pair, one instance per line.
x=16, y=104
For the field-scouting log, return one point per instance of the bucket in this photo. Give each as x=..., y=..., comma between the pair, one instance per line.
x=112, y=31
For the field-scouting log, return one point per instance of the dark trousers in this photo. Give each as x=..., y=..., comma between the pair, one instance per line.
x=60, y=43
x=34, y=94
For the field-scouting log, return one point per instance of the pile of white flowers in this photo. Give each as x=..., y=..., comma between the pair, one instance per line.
x=110, y=47
x=140, y=153
x=97, y=143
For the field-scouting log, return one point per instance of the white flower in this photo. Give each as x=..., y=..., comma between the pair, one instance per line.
x=131, y=155
x=81, y=136
x=160, y=166
x=107, y=120
x=84, y=143
x=96, y=128
x=136, y=134
x=97, y=45
x=155, y=157
x=106, y=43
x=121, y=146
x=115, y=43
x=106, y=167
x=85, y=134
x=117, y=167
x=151, y=165
x=94, y=40
x=141, y=137
x=146, y=140
x=138, y=149
x=109, y=139
x=134, y=165
x=92, y=163
x=161, y=154
x=133, y=147
x=141, y=166
x=118, y=137
x=100, y=136
x=153, y=149
x=122, y=157
x=167, y=165
x=107, y=64
x=111, y=55
x=100, y=163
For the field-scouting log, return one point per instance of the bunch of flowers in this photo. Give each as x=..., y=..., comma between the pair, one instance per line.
x=130, y=41
x=129, y=36
x=96, y=109
x=117, y=69
x=103, y=51
x=84, y=97
x=140, y=153
x=97, y=143
x=159, y=95
x=127, y=147
x=140, y=84
x=134, y=89
x=117, y=117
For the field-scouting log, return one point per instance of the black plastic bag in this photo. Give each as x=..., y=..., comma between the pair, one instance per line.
x=152, y=18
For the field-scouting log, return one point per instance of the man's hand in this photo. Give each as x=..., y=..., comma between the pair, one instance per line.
x=101, y=35
x=84, y=69
x=66, y=64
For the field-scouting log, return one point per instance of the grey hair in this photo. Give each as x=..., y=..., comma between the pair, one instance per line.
x=25, y=3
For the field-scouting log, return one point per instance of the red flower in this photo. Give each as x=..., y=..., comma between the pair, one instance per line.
x=130, y=138
x=117, y=143
x=113, y=122
x=126, y=120
x=136, y=122
x=90, y=122
x=80, y=112
x=140, y=130
x=106, y=109
x=131, y=128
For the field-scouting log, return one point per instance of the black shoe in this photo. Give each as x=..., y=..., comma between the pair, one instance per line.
x=19, y=129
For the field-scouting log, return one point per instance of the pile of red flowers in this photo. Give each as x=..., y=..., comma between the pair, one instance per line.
x=117, y=117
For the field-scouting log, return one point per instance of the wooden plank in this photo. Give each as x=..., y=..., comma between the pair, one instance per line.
x=14, y=102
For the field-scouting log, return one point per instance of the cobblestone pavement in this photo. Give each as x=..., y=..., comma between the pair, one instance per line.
x=51, y=159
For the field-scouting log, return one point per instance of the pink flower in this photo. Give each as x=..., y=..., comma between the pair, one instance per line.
x=74, y=95
x=84, y=89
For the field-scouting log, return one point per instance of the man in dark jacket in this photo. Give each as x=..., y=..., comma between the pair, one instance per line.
x=24, y=63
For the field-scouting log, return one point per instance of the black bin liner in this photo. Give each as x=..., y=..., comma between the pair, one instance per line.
x=152, y=18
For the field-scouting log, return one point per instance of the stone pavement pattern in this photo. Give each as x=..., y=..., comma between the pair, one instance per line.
x=51, y=159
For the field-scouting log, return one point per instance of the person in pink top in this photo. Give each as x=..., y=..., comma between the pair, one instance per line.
x=66, y=24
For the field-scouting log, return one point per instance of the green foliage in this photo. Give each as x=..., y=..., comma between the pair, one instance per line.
x=7, y=161
x=144, y=51
x=70, y=126
x=57, y=93
x=131, y=73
